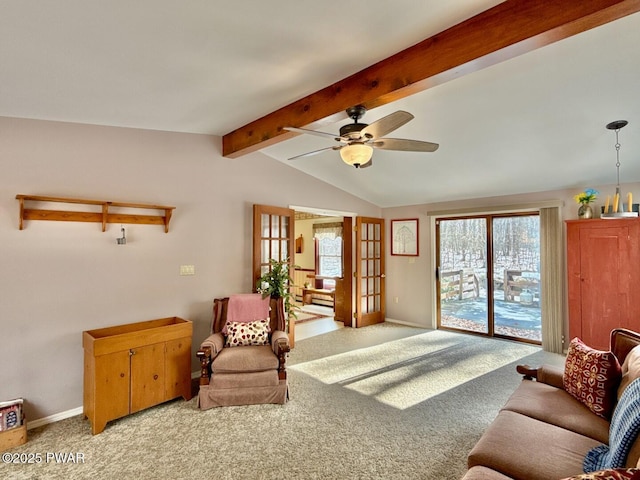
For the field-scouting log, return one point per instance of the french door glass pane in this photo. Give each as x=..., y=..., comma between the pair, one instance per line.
x=516, y=277
x=463, y=274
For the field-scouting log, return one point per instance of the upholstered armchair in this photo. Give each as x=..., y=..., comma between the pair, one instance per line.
x=243, y=360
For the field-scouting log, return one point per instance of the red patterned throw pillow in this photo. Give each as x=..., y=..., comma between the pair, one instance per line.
x=611, y=474
x=242, y=334
x=592, y=377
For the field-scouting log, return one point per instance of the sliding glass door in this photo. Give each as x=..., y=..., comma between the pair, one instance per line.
x=516, y=274
x=462, y=274
x=489, y=275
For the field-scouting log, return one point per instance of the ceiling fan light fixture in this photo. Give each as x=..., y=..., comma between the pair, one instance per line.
x=356, y=154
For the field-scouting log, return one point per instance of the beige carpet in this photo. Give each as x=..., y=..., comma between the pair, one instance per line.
x=383, y=402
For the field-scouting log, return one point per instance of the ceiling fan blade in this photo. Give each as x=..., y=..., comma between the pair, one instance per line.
x=314, y=152
x=313, y=132
x=367, y=165
x=386, y=124
x=404, y=145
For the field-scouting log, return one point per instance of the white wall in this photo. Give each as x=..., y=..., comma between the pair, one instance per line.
x=58, y=279
x=414, y=283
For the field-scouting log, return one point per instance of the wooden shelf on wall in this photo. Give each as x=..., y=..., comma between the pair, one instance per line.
x=102, y=217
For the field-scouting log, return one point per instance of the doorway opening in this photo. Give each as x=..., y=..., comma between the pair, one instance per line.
x=319, y=275
x=488, y=275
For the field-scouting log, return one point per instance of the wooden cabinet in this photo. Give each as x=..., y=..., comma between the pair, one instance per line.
x=603, y=266
x=128, y=368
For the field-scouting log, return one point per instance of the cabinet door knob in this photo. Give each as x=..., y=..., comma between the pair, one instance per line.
x=155, y=377
x=122, y=375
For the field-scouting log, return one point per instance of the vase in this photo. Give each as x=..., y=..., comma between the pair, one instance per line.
x=585, y=211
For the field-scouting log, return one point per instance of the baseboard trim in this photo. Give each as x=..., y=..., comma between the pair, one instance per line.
x=56, y=417
x=408, y=324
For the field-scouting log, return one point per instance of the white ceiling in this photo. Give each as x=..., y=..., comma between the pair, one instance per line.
x=533, y=123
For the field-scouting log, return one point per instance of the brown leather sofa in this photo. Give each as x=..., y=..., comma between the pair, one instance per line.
x=544, y=433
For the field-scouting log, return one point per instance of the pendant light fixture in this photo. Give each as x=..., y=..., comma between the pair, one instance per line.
x=615, y=208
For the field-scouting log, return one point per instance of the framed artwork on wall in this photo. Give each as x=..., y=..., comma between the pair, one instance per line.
x=404, y=237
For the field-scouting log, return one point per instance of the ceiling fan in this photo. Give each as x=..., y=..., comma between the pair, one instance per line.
x=359, y=139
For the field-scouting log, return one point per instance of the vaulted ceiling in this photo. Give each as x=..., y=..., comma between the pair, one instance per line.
x=529, y=123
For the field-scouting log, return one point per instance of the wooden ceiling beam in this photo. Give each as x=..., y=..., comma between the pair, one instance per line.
x=507, y=30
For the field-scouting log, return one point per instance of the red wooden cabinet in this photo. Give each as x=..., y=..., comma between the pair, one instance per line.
x=603, y=266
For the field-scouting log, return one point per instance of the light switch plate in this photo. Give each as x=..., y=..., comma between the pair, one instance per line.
x=187, y=270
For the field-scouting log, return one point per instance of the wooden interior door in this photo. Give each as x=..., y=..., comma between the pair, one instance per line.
x=344, y=286
x=273, y=238
x=370, y=271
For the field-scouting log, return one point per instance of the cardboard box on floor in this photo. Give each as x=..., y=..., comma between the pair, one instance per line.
x=13, y=437
x=13, y=428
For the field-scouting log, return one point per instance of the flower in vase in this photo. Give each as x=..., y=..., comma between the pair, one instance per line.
x=586, y=197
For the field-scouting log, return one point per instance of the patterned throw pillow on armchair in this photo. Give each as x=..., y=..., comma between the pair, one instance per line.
x=242, y=334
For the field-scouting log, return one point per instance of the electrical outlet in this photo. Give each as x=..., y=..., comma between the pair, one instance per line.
x=187, y=270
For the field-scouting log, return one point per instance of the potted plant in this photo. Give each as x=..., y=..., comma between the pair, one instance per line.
x=277, y=283
x=584, y=199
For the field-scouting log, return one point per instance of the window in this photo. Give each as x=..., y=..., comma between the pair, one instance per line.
x=330, y=256
x=328, y=250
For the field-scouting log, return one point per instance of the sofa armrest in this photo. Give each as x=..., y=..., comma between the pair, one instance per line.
x=279, y=341
x=209, y=349
x=215, y=341
x=549, y=374
x=280, y=345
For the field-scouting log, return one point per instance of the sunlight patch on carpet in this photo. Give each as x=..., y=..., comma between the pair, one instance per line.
x=405, y=372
